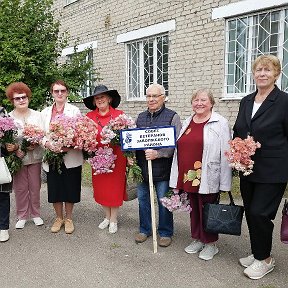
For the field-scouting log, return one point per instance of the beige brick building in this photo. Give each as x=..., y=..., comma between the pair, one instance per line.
x=184, y=45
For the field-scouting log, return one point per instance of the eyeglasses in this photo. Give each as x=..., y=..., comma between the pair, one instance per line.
x=154, y=96
x=18, y=99
x=58, y=91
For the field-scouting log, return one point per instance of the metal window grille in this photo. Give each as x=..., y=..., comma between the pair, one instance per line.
x=247, y=37
x=147, y=63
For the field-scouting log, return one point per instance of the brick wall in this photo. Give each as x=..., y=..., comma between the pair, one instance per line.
x=196, y=51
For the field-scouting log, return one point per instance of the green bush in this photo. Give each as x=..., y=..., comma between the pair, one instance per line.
x=30, y=47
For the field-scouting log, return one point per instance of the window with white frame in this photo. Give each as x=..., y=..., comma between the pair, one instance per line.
x=87, y=88
x=147, y=63
x=248, y=37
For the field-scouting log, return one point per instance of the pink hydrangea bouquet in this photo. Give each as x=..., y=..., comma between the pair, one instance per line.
x=60, y=136
x=8, y=130
x=176, y=201
x=32, y=135
x=61, y=133
x=103, y=161
x=78, y=132
x=85, y=133
x=239, y=155
x=111, y=132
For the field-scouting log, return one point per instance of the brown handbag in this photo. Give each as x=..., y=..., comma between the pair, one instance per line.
x=284, y=223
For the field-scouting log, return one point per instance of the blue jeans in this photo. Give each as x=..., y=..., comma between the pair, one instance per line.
x=165, y=226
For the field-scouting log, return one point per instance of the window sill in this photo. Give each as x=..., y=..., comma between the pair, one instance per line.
x=68, y=4
x=223, y=99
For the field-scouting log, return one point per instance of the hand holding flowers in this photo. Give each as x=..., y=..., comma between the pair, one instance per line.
x=239, y=155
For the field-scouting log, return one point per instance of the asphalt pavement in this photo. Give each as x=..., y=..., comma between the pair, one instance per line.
x=90, y=257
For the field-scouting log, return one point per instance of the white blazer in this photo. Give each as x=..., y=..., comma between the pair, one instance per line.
x=73, y=158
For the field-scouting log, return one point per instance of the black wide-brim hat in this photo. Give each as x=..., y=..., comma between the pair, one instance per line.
x=102, y=89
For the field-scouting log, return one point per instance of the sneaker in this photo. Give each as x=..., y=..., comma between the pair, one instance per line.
x=4, y=235
x=20, y=224
x=165, y=241
x=38, y=221
x=208, y=252
x=194, y=247
x=69, y=226
x=113, y=227
x=247, y=261
x=104, y=224
x=140, y=238
x=58, y=223
x=258, y=269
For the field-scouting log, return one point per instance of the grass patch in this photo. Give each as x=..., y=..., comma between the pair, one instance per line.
x=236, y=188
x=86, y=175
x=115, y=246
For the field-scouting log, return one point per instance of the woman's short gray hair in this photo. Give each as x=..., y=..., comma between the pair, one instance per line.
x=204, y=90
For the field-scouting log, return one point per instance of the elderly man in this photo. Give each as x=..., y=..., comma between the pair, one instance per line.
x=156, y=115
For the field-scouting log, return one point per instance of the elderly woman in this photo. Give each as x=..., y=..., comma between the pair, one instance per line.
x=263, y=115
x=5, y=190
x=27, y=181
x=200, y=168
x=64, y=188
x=109, y=188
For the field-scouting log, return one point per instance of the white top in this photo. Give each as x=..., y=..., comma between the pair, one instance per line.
x=256, y=106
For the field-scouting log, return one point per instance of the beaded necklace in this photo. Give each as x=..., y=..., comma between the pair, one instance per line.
x=100, y=124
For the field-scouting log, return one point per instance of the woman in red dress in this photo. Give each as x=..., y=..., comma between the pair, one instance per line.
x=109, y=188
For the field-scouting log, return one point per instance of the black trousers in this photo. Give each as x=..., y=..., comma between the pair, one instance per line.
x=4, y=210
x=261, y=202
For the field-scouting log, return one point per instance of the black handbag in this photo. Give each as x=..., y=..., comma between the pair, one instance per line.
x=223, y=218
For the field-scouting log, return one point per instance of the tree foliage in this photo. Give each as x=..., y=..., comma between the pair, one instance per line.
x=30, y=47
